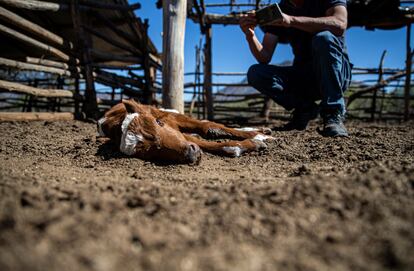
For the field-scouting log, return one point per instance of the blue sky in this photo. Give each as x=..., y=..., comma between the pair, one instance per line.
x=231, y=53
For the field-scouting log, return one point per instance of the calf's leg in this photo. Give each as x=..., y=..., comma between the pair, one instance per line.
x=212, y=130
x=230, y=148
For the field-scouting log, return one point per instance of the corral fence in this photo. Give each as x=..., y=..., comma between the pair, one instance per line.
x=73, y=58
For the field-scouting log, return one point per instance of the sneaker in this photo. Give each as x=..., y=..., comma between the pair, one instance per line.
x=333, y=126
x=300, y=119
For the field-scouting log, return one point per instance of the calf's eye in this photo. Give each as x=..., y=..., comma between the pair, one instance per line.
x=159, y=122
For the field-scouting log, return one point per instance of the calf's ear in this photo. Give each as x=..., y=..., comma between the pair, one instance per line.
x=131, y=106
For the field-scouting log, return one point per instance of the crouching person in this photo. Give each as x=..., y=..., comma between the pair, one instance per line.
x=321, y=69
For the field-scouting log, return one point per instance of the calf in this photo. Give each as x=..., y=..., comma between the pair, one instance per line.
x=154, y=134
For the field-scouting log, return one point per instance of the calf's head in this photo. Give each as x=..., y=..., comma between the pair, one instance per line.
x=140, y=134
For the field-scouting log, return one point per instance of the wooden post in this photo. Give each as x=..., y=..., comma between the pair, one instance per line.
x=208, y=74
x=174, y=16
x=408, y=76
x=90, y=106
x=148, y=95
x=77, y=93
x=267, y=106
x=375, y=93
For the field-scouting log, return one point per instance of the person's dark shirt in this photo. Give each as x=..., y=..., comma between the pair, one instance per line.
x=301, y=41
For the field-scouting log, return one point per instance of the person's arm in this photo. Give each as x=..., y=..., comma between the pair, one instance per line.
x=263, y=52
x=335, y=21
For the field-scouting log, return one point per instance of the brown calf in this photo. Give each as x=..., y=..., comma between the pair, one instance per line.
x=153, y=134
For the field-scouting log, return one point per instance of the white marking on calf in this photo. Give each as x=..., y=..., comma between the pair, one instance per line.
x=247, y=129
x=262, y=138
x=169, y=110
x=236, y=151
x=100, y=122
x=129, y=140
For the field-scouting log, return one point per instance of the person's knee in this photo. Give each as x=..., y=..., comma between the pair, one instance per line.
x=322, y=41
x=253, y=74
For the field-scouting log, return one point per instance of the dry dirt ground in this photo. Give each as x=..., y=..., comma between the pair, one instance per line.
x=68, y=202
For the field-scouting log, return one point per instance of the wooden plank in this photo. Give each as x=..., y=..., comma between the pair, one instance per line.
x=32, y=67
x=32, y=5
x=122, y=79
x=111, y=57
x=49, y=6
x=20, y=88
x=217, y=19
x=117, y=67
x=46, y=62
x=28, y=40
x=26, y=25
x=102, y=5
x=174, y=19
x=36, y=116
x=369, y=89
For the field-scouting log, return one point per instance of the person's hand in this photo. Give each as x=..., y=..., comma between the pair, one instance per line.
x=286, y=21
x=248, y=23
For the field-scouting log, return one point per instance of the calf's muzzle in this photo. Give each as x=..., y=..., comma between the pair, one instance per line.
x=193, y=154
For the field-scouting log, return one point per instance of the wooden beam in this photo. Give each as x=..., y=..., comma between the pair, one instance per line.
x=369, y=89
x=111, y=57
x=116, y=67
x=49, y=6
x=36, y=116
x=211, y=18
x=122, y=79
x=32, y=5
x=32, y=67
x=28, y=40
x=208, y=70
x=102, y=5
x=233, y=19
x=28, y=26
x=20, y=88
x=408, y=75
x=174, y=17
x=46, y=62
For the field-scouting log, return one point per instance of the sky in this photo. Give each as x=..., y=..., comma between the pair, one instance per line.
x=231, y=52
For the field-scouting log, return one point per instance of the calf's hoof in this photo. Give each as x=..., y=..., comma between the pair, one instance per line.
x=233, y=151
x=263, y=138
x=266, y=131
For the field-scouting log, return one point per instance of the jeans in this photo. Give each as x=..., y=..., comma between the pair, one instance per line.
x=324, y=78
